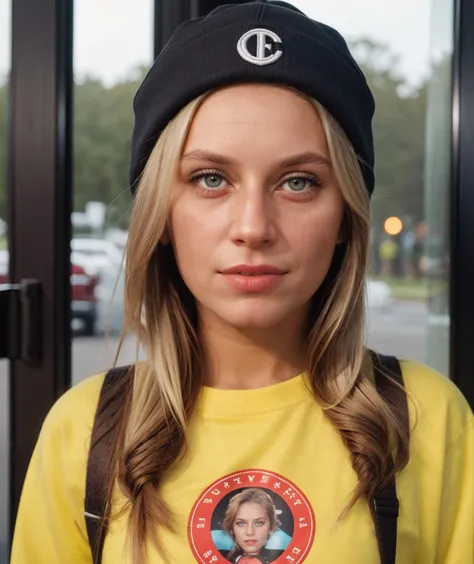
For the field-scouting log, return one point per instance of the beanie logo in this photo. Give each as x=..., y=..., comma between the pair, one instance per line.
x=260, y=47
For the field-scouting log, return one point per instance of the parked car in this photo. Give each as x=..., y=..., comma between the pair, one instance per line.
x=101, y=253
x=109, y=293
x=379, y=295
x=84, y=280
x=118, y=237
x=4, y=259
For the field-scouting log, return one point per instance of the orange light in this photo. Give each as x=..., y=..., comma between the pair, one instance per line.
x=393, y=225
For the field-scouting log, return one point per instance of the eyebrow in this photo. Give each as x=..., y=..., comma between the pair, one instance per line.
x=294, y=160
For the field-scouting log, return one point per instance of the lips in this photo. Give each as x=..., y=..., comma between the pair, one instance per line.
x=253, y=279
x=253, y=270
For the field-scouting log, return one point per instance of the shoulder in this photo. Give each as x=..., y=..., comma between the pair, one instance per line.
x=67, y=429
x=437, y=406
x=76, y=408
x=70, y=421
x=59, y=462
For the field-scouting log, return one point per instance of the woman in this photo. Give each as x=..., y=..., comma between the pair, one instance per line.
x=250, y=520
x=252, y=169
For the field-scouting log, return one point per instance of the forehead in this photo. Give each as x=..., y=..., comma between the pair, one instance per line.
x=260, y=116
x=251, y=510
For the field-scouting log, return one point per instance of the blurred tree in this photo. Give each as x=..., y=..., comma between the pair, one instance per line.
x=103, y=122
x=399, y=135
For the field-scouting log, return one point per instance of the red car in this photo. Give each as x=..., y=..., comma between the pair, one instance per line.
x=83, y=299
x=4, y=258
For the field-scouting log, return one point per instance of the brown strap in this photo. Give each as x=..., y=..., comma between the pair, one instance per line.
x=99, y=481
x=385, y=505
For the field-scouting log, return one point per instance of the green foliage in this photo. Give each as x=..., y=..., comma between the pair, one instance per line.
x=103, y=122
x=399, y=135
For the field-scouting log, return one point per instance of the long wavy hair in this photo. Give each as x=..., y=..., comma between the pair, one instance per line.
x=161, y=311
x=249, y=495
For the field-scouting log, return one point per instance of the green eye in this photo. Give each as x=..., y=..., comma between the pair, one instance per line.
x=297, y=184
x=212, y=180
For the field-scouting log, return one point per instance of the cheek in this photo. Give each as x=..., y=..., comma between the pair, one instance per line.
x=313, y=239
x=190, y=235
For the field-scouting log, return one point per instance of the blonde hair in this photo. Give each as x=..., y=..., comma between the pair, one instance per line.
x=249, y=495
x=161, y=311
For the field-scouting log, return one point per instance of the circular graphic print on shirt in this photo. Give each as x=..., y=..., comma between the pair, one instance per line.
x=251, y=517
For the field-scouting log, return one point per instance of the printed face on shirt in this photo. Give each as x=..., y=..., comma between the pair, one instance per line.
x=255, y=188
x=251, y=528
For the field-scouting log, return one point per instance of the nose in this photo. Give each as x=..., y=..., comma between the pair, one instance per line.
x=250, y=530
x=253, y=218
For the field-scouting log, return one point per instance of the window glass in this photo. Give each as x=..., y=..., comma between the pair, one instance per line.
x=111, y=56
x=407, y=64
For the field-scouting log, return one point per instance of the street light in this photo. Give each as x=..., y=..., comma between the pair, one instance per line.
x=393, y=225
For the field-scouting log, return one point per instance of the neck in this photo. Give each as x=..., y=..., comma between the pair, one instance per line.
x=238, y=358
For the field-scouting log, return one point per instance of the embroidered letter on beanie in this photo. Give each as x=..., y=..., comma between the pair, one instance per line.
x=265, y=40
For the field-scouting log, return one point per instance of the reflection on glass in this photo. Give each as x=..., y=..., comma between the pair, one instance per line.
x=397, y=310
x=4, y=364
x=111, y=57
x=438, y=169
x=409, y=74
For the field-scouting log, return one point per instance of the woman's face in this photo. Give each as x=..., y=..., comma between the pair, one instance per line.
x=256, y=208
x=251, y=528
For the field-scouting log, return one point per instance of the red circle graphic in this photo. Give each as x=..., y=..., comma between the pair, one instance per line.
x=199, y=525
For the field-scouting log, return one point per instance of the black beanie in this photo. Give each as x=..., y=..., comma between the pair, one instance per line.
x=264, y=42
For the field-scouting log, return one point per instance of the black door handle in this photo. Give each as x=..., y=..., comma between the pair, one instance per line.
x=20, y=321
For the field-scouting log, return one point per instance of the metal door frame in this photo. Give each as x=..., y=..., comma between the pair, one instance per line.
x=39, y=204
x=462, y=202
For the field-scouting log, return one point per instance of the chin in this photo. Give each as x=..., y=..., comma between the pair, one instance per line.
x=252, y=317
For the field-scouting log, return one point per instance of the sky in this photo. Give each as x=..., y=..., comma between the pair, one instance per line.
x=114, y=36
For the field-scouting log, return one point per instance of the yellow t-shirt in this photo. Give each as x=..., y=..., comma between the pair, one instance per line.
x=274, y=439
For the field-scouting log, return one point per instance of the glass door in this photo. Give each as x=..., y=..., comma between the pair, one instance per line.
x=111, y=57
x=407, y=63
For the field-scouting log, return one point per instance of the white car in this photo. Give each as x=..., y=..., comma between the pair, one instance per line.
x=102, y=253
x=109, y=294
x=379, y=295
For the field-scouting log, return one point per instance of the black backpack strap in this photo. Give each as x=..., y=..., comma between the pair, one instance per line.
x=99, y=481
x=385, y=506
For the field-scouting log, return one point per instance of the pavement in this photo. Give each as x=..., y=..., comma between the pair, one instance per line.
x=400, y=330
